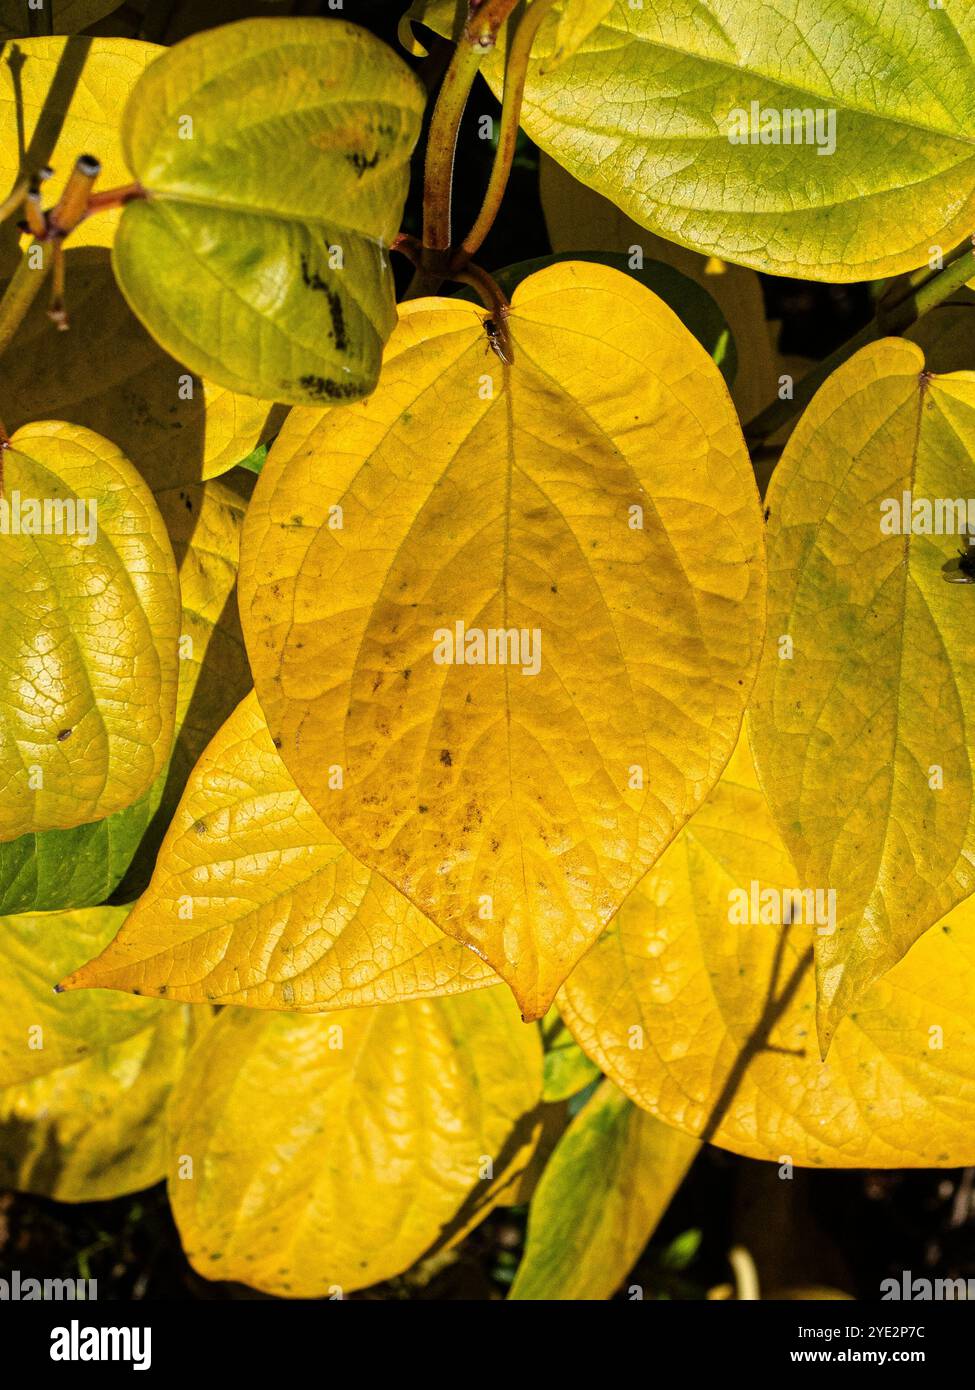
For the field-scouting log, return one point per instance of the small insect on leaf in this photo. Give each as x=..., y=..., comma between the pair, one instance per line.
x=497, y=334
x=962, y=570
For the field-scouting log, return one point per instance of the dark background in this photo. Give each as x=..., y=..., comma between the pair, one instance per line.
x=845, y=1230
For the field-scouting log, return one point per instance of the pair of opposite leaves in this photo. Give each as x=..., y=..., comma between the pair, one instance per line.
x=317, y=944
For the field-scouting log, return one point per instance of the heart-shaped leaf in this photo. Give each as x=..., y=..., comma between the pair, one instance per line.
x=861, y=708
x=504, y=620
x=275, y=155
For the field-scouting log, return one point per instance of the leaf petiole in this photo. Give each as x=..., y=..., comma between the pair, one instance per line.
x=909, y=303
x=479, y=36
x=515, y=76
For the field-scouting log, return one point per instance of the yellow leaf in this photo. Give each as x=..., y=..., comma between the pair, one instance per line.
x=88, y=632
x=577, y=20
x=859, y=717
x=328, y=1153
x=61, y=98
x=707, y=1020
x=96, y=1129
x=579, y=219
x=608, y=1183
x=84, y=1081
x=254, y=902
x=108, y=374
x=588, y=515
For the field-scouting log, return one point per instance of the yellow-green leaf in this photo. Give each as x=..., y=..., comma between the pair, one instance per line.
x=707, y=1019
x=576, y=21
x=39, y=1031
x=88, y=632
x=254, y=902
x=319, y=1155
x=275, y=153
x=84, y=1081
x=96, y=1129
x=109, y=374
x=861, y=707
x=587, y=514
x=606, y=1186
x=868, y=117
x=57, y=869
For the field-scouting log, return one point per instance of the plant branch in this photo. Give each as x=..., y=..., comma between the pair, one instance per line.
x=894, y=317
x=21, y=292
x=115, y=198
x=480, y=34
x=515, y=76
x=489, y=291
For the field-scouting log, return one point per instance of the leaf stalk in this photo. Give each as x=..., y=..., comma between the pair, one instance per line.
x=908, y=303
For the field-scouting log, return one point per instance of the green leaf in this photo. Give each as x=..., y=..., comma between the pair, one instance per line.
x=860, y=713
x=567, y=1068
x=58, y=869
x=608, y=1183
x=643, y=112
x=275, y=154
